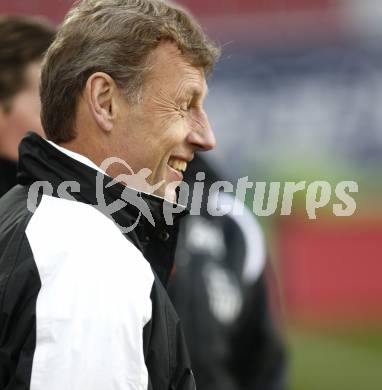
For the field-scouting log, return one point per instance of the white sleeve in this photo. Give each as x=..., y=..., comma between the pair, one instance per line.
x=93, y=303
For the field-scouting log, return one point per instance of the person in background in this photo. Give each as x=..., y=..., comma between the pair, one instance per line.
x=219, y=291
x=23, y=41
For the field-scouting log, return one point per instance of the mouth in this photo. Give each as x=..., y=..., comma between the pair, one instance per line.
x=178, y=166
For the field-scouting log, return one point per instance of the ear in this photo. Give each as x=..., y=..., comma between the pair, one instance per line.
x=100, y=96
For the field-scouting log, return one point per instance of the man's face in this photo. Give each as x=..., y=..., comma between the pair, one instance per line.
x=165, y=129
x=23, y=113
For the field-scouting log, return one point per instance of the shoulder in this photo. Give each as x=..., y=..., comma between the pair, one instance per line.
x=70, y=226
x=74, y=240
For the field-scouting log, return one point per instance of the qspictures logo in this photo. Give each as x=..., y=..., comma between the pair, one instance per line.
x=223, y=197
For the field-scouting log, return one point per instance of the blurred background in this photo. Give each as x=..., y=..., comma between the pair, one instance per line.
x=297, y=96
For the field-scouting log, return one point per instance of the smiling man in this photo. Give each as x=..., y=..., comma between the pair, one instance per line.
x=83, y=305
x=160, y=131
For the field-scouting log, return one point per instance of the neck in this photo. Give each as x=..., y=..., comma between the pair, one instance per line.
x=8, y=151
x=88, y=147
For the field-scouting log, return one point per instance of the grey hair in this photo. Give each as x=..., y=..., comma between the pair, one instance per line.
x=115, y=37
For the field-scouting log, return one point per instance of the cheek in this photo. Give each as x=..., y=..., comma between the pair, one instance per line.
x=174, y=134
x=172, y=129
x=25, y=114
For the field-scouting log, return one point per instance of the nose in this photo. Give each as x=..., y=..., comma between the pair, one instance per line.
x=202, y=138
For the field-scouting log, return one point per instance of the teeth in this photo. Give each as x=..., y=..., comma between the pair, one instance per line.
x=179, y=165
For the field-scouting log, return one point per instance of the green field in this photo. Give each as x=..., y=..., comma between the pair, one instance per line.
x=335, y=360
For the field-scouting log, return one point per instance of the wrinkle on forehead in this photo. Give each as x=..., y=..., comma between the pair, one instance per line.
x=189, y=85
x=172, y=82
x=173, y=70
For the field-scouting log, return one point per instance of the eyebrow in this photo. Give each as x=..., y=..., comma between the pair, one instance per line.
x=197, y=92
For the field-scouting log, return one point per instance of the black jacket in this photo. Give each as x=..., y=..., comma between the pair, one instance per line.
x=8, y=171
x=82, y=305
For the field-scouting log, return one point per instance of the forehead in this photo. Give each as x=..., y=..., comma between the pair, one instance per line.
x=172, y=70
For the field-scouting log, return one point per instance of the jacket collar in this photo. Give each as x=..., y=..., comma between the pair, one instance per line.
x=41, y=161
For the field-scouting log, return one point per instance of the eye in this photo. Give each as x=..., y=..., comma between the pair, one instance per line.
x=186, y=106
